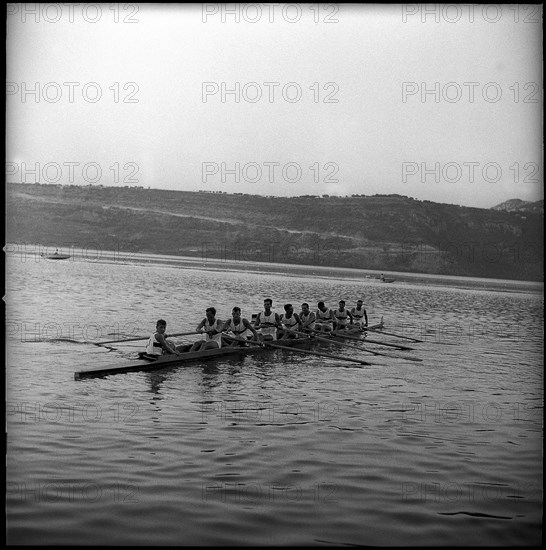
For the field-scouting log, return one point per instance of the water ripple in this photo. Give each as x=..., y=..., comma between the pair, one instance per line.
x=277, y=448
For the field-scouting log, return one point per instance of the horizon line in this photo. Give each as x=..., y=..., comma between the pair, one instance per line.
x=218, y=192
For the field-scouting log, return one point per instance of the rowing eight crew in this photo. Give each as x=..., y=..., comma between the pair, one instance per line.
x=268, y=325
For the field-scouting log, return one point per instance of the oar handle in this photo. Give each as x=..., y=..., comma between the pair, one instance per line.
x=143, y=338
x=329, y=340
x=238, y=338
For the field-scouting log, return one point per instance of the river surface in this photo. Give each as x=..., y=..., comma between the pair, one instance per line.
x=275, y=448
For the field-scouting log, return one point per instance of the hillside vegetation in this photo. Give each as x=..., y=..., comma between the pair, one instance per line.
x=383, y=232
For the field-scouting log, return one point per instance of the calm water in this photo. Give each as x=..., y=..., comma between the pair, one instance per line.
x=284, y=448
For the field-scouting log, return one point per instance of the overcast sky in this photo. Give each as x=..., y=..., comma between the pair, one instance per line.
x=442, y=103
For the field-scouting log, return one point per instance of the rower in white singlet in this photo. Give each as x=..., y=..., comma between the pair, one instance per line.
x=267, y=322
x=290, y=322
x=307, y=318
x=212, y=329
x=158, y=344
x=240, y=328
x=360, y=317
x=324, y=318
x=343, y=317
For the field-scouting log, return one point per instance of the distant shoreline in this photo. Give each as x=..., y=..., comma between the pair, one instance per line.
x=14, y=250
x=389, y=234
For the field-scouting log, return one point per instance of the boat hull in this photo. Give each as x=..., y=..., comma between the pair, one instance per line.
x=148, y=363
x=56, y=257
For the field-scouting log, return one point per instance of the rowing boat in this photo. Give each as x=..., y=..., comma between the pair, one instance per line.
x=147, y=362
x=55, y=256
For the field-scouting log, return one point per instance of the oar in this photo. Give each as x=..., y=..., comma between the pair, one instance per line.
x=371, y=341
x=320, y=354
x=379, y=342
x=274, y=345
x=142, y=338
x=331, y=341
x=370, y=329
x=239, y=339
x=251, y=344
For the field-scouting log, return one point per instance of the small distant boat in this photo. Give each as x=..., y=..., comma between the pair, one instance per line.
x=55, y=256
x=384, y=279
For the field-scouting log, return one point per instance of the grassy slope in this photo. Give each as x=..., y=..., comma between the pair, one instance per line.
x=379, y=232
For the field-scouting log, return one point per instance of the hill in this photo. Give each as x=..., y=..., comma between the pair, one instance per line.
x=517, y=205
x=383, y=232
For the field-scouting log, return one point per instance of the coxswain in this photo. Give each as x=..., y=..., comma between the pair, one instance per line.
x=158, y=343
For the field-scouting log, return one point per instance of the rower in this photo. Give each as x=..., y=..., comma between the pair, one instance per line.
x=290, y=321
x=239, y=327
x=359, y=314
x=307, y=318
x=158, y=344
x=212, y=328
x=267, y=322
x=324, y=318
x=342, y=316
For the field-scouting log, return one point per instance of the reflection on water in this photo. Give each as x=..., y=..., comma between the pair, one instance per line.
x=272, y=447
x=155, y=380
